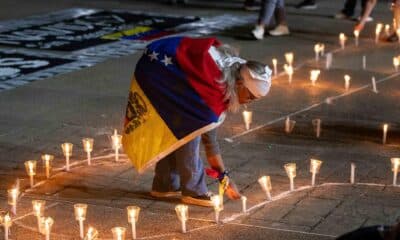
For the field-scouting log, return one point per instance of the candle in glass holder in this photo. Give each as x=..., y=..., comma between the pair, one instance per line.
x=275, y=64
x=374, y=89
x=92, y=234
x=38, y=210
x=317, y=126
x=289, y=125
x=218, y=206
x=118, y=233
x=7, y=223
x=289, y=71
x=247, y=117
x=384, y=135
x=356, y=36
x=314, y=74
x=378, y=30
x=290, y=169
x=315, y=166
x=80, y=216
x=342, y=40
x=317, y=51
x=265, y=183
x=30, y=167
x=117, y=143
x=182, y=211
x=45, y=226
x=395, y=169
x=67, y=151
x=47, y=159
x=289, y=58
x=347, y=79
x=13, y=194
x=88, y=147
x=328, y=61
x=244, y=203
x=133, y=217
x=396, y=63
x=352, y=173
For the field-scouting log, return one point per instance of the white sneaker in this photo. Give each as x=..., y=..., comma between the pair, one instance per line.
x=280, y=30
x=369, y=19
x=258, y=32
x=341, y=15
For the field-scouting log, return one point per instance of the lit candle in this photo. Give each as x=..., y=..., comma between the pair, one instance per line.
x=395, y=169
x=314, y=74
x=378, y=30
x=290, y=169
x=117, y=143
x=385, y=129
x=289, y=58
x=92, y=234
x=47, y=159
x=47, y=224
x=30, y=167
x=396, y=63
x=247, y=117
x=342, y=40
x=374, y=89
x=328, y=61
x=182, y=211
x=218, y=206
x=67, y=150
x=398, y=33
x=244, y=203
x=133, y=217
x=38, y=210
x=275, y=64
x=88, y=147
x=315, y=166
x=317, y=50
x=289, y=71
x=265, y=183
x=347, y=82
x=356, y=35
x=12, y=199
x=118, y=233
x=6, y=224
x=289, y=125
x=353, y=173
x=80, y=216
x=387, y=30
x=317, y=126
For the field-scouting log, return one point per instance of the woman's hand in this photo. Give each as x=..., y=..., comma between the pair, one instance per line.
x=359, y=27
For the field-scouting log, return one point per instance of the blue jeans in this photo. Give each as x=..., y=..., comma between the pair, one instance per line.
x=182, y=170
x=270, y=9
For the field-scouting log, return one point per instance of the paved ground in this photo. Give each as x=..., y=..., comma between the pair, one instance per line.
x=37, y=117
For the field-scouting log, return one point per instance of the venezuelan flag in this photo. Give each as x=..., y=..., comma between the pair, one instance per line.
x=174, y=97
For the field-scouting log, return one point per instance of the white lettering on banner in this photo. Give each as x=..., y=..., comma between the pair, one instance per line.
x=21, y=63
x=8, y=72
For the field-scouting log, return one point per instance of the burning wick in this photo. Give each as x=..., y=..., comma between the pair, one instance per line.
x=364, y=62
x=118, y=233
x=218, y=206
x=395, y=169
x=385, y=129
x=353, y=173
x=265, y=182
x=374, y=89
x=289, y=71
x=356, y=35
x=133, y=217
x=30, y=167
x=314, y=74
x=290, y=169
x=80, y=216
x=244, y=203
x=289, y=125
x=67, y=150
x=342, y=40
x=12, y=199
x=317, y=127
x=88, y=147
x=247, y=117
x=329, y=59
x=347, y=82
x=289, y=58
x=38, y=210
x=6, y=220
x=117, y=143
x=91, y=234
x=396, y=63
x=275, y=64
x=315, y=166
x=378, y=30
x=182, y=211
x=46, y=225
x=47, y=159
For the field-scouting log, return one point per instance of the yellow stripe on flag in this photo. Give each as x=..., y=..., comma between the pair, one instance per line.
x=129, y=32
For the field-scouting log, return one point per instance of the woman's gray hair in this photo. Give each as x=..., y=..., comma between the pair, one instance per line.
x=231, y=74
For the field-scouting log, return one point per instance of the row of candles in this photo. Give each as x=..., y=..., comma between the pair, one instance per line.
x=80, y=210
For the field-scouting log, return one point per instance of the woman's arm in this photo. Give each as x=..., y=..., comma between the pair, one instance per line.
x=368, y=9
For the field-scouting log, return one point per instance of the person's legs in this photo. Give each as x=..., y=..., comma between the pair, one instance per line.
x=166, y=179
x=266, y=12
x=307, y=4
x=281, y=28
x=349, y=7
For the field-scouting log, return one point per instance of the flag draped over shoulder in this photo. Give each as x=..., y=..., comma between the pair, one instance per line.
x=174, y=97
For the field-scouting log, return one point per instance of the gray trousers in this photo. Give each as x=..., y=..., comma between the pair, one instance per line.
x=270, y=9
x=182, y=170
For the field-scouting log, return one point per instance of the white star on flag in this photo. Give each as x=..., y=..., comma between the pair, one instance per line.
x=167, y=60
x=153, y=56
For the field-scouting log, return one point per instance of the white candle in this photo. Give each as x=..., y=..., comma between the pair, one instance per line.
x=12, y=199
x=342, y=40
x=378, y=30
x=290, y=169
x=364, y=62
x=47, y=159
x=289, y=58
x=30, y=167
x=396, y=63
x=314, y=74
x=384, y=135
x=247, y=117
x=133, y=216
x=91, y=234
x=275, y=64
x=356, y=35
x=88, y=147
x=117, y=143
x=387, y=30
x=244, y=203
x=7, y=224
x=38, y=210
x=289, y=125
x=328, y=62
x=47, y=224
x=218, y=206
x=315, y=166
x=374, y=89
x=289, y=71
x=182, y=211
x=265, y=183
x=317, y=127
x=118, y=233
x=80, y=216
x=317, y=50
x=347, y=82
x=395, y=169
x=353, y=173
x=398, y=33
x=67, y=150
x=322, y=49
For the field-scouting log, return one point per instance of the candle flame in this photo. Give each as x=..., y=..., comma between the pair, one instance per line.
x=289, y=58
x=315, y=165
